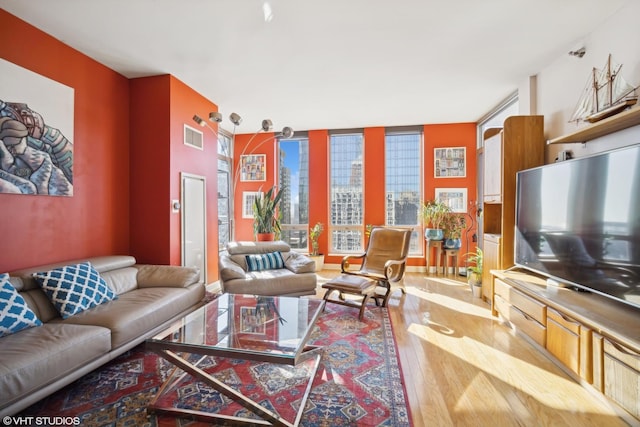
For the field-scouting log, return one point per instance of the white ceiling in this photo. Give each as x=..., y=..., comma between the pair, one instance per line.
x=328, y=64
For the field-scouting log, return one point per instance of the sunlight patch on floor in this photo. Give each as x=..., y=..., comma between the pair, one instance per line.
x=450, y=302
x=520, y=374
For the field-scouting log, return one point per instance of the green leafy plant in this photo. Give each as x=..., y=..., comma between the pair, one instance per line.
x=434, y=213
x=475, y=260
x=314, y=235
x=266, y=212
x=453, y=224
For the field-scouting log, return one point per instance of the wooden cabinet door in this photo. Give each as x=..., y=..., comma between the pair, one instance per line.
x=493, y=169
x=563, y=339
x=491, y=252
x=622, y=376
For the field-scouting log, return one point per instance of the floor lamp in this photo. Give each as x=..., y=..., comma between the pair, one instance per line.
x=266, y=126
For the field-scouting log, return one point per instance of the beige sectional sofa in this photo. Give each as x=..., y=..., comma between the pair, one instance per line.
x=37, y=361
x=295, y=277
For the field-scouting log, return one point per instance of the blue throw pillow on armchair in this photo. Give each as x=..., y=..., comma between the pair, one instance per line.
x=268, y=261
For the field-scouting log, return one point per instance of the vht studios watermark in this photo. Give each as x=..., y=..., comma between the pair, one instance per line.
x=40, y=421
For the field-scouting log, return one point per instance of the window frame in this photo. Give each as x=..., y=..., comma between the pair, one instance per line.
x=301, y=228
x=358, y=229
x=417, y=250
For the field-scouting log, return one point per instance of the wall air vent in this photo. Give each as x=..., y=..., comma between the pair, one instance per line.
x=193, y=138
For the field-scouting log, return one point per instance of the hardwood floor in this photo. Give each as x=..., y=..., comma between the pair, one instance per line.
x=462, y=367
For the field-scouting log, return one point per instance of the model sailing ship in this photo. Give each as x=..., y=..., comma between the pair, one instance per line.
x=606, y=94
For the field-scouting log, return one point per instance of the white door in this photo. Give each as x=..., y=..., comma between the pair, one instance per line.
x=194, y=223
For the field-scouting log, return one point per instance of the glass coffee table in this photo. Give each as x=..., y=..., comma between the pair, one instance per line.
x=234, y=329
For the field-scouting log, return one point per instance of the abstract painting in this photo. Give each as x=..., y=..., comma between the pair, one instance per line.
x=36, y=133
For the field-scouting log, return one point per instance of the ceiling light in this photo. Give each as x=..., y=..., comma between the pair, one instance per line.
x=267, y=11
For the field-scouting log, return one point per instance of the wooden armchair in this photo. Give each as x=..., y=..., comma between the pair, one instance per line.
x=384, y=260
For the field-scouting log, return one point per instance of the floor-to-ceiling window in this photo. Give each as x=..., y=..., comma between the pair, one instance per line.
x=403, y=182
x=346, y=204
x=225, y=205
x=294, y=183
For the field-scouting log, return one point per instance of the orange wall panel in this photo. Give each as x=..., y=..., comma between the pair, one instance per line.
x=319, y=184
x=150, y=167
x=245, y=144
x=160, y=107
x=453, y=135
x=95, y=221
x=374, y=177
x=185, y=102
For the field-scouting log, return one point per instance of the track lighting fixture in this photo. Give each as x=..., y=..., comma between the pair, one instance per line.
x=235, y=119
x=578, y=53
x=198, y=120
x=215, y=117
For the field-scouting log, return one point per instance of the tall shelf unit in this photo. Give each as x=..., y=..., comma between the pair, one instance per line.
x=518, y=145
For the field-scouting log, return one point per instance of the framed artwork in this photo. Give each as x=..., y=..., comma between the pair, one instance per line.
x=456, y=198
x=252, y=321
x=248, y=199
x=450, y=162
x=42, y=162
x=253, y=167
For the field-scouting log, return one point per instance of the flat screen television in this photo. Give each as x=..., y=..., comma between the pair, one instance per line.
x=578, y=222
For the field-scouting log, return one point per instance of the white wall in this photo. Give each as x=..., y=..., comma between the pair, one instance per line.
x=560, y=84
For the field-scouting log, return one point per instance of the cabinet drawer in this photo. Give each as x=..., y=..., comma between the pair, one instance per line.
x=529, y=306
x=521, y=321
x=502, y=306
x=564, y=321
x=622, y=384
x=501, y=288
x=563, y=344
x=623, y=354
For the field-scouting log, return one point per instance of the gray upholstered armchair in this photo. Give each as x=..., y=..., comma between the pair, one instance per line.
x=266, y=268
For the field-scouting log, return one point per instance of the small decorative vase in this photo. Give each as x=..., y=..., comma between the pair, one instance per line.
x=433, y=234
x=319, y=260
x=265, y=237
x=453, y=243
x=477, y=291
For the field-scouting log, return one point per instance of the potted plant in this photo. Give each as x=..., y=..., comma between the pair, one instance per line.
x=433, y=213
x=474, y=271
x=452, y=225
x=266, y=221
x=314, y=235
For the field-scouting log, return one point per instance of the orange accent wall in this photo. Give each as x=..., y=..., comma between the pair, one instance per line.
x=95, y=221
x=257, y=143
x=160, y=107
x=150, y=164
x=319, y=184
x=437, y=135
x=452, y=135
x=184, y=103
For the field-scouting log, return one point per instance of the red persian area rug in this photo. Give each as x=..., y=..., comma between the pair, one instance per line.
x=358, y=382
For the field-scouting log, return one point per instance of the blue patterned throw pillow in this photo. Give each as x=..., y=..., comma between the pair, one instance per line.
x=270, y=261
x=74, y=288
x=15, y=314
